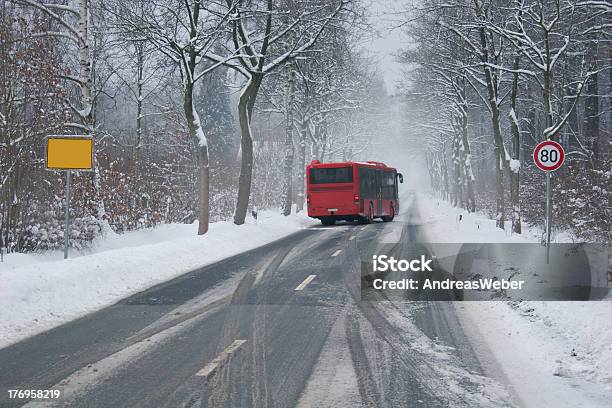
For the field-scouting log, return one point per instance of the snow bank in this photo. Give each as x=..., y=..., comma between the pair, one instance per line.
x=445, y=223
x=40, y=292
x=586, y=327
x=107, y=242
x=553, y=345
x=16, y=260
x=548, y=361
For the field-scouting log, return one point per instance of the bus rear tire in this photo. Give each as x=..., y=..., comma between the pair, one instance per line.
x=368, y=218
x=328, y=221
x=387, y=218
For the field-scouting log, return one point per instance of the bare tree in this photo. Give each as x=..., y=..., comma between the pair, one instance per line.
x=74, y=26
x=184, y=35
x=264, y=36
x=31, y=106
x=529, y=64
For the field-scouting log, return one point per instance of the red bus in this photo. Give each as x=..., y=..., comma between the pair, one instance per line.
x=351, y=191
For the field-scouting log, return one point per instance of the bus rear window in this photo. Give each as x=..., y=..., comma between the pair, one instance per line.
x=331, y=175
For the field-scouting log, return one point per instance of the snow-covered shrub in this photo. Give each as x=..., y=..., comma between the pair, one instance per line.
x=581, y=199
x=49, y=233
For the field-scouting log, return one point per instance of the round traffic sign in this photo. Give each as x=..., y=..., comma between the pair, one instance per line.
x=548, y=155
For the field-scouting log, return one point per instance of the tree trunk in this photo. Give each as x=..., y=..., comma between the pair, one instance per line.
x=467, y=154
x=204, y=203
x=591, y=103
x=196, y=134
x=444, y=167
x=301, y=167
x=287, y=198
x=500, y=218
x=604, y=144
x=245, y=110
x=467, y=168
x=323, y=137
x=201, y=147
x=139, y=102
x=499, y=172
x=86, y=111
x=85, y=63
x=546, y=93
x=497, y=134
x=457, y=182
x=516, y=151
x=547, y=87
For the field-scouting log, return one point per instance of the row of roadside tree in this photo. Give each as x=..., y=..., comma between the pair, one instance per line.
x=198, y=110
x=487, y=80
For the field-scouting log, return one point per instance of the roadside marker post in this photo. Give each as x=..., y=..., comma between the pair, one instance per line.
x=548, y=156
x=68, y=153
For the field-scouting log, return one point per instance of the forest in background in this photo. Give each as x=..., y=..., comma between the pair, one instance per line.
x=206, y=111
x=486, y=81
x=200, y=111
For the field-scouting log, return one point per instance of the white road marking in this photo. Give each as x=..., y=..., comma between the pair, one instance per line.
x=97, y=372
x=362, y=228
x=352, y=237
x=306, y=282
x=213, y=365
x=333, y=381
x=337, y=252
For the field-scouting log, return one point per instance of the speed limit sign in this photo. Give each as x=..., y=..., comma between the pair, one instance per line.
x=548, y=155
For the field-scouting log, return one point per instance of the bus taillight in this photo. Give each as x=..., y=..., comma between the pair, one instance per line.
x=308, y=198
x=356, y=198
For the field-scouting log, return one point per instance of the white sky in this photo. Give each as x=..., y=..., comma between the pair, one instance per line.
x=386, y=41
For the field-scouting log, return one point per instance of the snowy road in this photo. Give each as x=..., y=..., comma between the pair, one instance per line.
x=278, y=326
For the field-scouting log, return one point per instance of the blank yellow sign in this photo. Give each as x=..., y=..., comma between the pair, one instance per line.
x=69, y=153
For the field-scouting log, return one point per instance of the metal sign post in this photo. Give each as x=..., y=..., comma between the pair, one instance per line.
x=548, y=214
x=548, y=156
x=68, y=153
x=67, y=216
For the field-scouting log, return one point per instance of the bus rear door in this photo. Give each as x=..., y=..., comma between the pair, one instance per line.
x=379, y=192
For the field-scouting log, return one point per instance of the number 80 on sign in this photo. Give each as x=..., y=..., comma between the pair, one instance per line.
x=548, y=155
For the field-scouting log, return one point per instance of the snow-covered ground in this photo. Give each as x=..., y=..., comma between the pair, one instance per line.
x=41, y=291
x=564, y=348
x=446, y=223
x=555, y=354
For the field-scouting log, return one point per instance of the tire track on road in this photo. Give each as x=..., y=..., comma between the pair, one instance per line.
x=418, y=369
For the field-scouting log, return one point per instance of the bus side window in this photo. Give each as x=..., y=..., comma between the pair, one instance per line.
x=389, y=186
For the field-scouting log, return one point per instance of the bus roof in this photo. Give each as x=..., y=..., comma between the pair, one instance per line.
x=373, y=164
